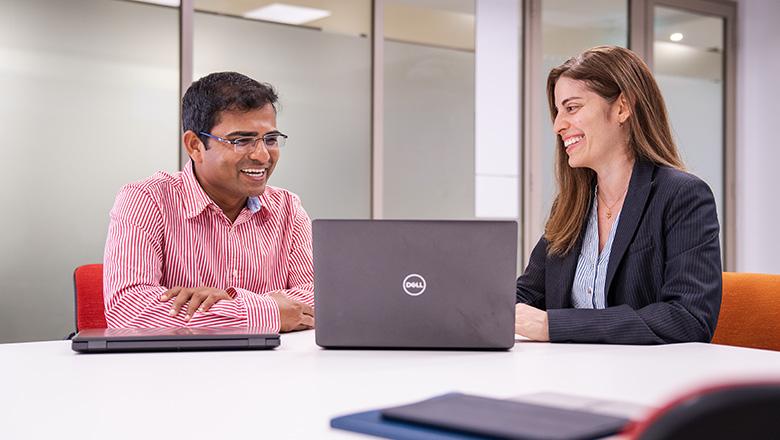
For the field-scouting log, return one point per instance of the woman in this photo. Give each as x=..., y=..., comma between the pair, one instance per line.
x=630, y=252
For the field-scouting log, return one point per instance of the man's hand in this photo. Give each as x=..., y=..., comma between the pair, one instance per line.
x=199, y=298
x=531, y=323
x=294, y=315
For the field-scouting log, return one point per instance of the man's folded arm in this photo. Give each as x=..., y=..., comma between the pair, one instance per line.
x=133, y=270
x=300, y=277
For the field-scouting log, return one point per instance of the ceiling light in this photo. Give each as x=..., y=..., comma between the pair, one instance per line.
x=676, y=37
x=281, y=13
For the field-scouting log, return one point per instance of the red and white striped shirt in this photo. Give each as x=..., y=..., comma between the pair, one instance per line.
x=165, y=231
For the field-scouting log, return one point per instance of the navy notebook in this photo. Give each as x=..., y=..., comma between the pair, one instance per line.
x=462, y=416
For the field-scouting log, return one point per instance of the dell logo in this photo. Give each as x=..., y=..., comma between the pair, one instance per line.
x=414, y=284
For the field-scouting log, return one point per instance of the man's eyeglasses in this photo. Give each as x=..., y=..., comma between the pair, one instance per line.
x=247, y=144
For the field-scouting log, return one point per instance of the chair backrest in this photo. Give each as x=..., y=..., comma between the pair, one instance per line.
x=88, y=286
x=748, y=410
x=750, y=311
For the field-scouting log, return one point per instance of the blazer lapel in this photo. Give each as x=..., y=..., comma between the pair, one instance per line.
x=633, y=207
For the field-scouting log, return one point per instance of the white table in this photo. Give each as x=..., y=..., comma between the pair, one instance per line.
x=49, y=391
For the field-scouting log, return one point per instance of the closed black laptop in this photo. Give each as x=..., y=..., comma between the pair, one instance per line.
x=171, y=339
x=505, y=419
x=415, y=284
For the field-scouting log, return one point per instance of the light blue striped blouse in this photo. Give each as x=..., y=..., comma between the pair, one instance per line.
x=591, y=276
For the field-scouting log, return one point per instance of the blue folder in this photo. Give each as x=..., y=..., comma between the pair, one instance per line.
x=463, y=416
x=372, y=423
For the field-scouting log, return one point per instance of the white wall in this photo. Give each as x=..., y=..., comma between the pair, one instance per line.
x=758, y=149
x=497, y=180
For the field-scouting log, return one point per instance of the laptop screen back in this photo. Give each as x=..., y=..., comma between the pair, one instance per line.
x=415, y=284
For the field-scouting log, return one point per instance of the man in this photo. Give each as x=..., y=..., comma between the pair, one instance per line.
x=213, y=245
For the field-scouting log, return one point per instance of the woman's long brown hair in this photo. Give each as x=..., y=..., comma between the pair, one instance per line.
x=607, y=71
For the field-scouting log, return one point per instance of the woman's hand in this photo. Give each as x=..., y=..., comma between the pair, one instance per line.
x=531, y=323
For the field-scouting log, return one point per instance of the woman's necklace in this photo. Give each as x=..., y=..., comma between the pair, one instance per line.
x=609, y=208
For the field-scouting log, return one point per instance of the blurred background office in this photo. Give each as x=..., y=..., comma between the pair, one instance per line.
x=395, y=109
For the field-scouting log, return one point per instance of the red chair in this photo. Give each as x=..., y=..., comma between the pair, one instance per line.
x=88, y=285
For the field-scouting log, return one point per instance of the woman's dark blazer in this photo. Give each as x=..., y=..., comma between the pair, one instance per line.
x=664, y=273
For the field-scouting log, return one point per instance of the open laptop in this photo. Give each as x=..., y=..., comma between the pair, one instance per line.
x=171, y=339
x=415, y=284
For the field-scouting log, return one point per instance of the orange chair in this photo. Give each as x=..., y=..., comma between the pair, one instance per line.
x=750, y=311
x=88, y=284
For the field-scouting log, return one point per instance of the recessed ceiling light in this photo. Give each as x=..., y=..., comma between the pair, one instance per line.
x=281, y=13
x=676, y=37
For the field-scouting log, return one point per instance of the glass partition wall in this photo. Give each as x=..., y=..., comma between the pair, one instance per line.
x=689, y=64
x=89, y=103
x=428, y=159
x=451, y=109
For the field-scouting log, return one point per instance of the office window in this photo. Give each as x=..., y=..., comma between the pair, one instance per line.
x=89, y=103
x=428, y=152
x=688, y=62
x=319, y=60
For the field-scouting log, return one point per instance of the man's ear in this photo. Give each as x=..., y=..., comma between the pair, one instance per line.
x=624, y=109
x=194, y=146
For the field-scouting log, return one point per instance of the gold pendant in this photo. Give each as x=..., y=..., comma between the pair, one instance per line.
x=609, y=215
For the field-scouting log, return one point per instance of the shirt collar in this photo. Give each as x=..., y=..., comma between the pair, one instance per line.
x=196, y=199
x=254, y=204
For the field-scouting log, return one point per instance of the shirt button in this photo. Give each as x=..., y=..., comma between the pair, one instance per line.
x=590, y=291
x=235, y=273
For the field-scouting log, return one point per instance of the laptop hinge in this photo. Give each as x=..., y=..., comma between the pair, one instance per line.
x=97, y=345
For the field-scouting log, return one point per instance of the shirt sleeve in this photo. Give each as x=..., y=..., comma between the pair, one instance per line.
x=300, y=274
x=132, y=274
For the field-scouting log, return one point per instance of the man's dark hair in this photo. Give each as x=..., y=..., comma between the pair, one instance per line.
x=222, y=91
